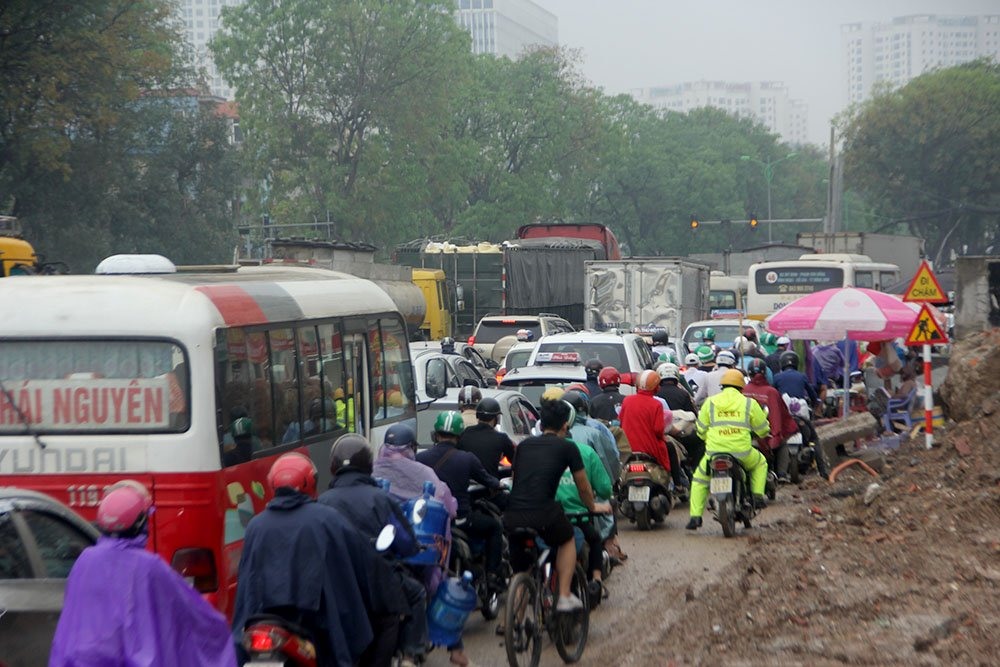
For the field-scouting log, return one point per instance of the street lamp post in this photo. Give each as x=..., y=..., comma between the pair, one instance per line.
x=768, y=175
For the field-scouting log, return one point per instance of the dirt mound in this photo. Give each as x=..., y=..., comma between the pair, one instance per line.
x=899, y=569
x=973, y=373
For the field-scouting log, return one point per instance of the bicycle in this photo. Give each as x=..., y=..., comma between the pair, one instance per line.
x=531, y=606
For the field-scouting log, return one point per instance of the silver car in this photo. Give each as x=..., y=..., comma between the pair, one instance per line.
x=517, y=415
x=40, y=540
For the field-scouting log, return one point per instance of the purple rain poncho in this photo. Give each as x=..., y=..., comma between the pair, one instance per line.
x=125, y=606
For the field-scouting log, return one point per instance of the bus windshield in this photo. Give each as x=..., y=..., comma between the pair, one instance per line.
x=93, y=386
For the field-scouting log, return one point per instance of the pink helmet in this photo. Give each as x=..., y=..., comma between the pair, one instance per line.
x=124, y=508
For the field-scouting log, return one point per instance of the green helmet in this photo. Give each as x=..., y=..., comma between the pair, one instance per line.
x=768, y=339
x=708, y=334
x=705, y=353
x=241, y=426
x=449, y=423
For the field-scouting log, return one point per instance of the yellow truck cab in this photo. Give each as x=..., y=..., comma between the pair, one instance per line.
x=437, y=319
x=17, y=257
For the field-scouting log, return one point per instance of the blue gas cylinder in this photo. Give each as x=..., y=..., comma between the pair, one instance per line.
x=446, y=615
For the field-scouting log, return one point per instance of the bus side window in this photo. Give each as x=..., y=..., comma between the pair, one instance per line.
x=337, y=412
x=864, y=279
x=285, y=385
x=245, y=394
x=398, y=371
x=377, y=372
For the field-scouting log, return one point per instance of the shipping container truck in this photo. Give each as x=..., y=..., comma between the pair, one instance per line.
x=906, y=252
x=646, y=293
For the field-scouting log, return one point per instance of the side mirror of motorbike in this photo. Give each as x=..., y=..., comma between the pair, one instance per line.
x=385, y=538
x=419, y=511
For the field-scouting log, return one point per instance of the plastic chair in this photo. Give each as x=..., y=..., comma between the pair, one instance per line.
x=898, y=409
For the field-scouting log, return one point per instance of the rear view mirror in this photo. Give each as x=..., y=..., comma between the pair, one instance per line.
x=385, y=538
x=436, y=382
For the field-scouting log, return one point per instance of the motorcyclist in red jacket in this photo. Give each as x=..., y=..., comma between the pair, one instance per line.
x=642, y=418
x=780, y=419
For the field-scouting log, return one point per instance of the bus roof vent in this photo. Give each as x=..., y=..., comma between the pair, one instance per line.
x=135, y=264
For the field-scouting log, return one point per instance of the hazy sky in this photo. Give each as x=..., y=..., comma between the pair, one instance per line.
x=628, y=44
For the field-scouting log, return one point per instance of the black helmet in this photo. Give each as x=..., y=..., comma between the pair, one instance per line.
x=661, y=337
x=756, y=367
x=351, y=450
x=488, y=409
x=593, y=368
x=469, y=397
x=448, y=345
x=579, y=401
x=788, y=359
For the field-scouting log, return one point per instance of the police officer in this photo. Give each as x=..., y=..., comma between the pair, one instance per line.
x=727, y=422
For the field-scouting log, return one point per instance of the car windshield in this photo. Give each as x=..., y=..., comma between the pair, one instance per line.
x=534, y=388
x=490, y=331
x=609, y=354
x=517, y=359
x=724, y=335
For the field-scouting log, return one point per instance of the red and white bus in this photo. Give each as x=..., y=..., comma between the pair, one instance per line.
x=193, y=384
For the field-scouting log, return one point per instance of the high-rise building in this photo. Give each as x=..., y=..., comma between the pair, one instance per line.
x=765, y=101
x=507, y=27
x=894, y=52
x=200, y=20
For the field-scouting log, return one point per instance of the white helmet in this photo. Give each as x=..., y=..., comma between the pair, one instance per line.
x=784, y=340
x=692, y=360
x=668, y=370
x=744, y=345
x=725, y=358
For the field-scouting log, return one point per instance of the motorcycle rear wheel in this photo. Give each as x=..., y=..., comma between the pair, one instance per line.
x=727, y=516
x=642, y=518
x=571, y=629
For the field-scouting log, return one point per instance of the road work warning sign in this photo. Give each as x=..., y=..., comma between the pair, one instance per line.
x=925, y=287
x=926, y=330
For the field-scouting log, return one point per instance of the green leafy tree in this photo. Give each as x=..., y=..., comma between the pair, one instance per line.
x=67, y=69
x=343, y=105
x=926, y=157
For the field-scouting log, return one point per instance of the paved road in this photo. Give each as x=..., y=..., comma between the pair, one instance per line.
x=647, y=594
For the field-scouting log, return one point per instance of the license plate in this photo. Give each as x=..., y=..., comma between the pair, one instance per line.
x=638, y=494
x=721, y=485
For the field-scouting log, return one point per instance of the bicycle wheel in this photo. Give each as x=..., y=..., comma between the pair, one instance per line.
x=571, y=628
x=522, y=622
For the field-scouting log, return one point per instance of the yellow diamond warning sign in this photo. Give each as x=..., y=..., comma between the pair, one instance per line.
x=925, y=287
x=926, y=330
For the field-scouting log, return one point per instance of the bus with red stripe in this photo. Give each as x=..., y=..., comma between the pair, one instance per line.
x=193, y=383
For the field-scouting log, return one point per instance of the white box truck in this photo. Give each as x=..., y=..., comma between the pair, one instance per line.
x=646, y=293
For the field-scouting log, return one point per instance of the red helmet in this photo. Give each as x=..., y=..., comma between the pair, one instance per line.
x=124, y=508
x=648, y=381
x=295, y=471
x=750, y=334
x=609, y=377
x=578, y=386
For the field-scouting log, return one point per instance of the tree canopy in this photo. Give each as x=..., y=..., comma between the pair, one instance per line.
x=926, y=157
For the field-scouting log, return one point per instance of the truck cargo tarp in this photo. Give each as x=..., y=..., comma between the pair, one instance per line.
x=542, y=274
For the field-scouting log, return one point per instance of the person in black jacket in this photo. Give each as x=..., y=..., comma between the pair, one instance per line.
x=605, y=405
x=355, y=494
x=484, y=440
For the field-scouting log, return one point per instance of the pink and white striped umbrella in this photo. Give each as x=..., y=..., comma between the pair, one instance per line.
x=844, y=312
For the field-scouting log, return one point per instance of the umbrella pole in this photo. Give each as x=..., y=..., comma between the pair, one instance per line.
x=847, y=376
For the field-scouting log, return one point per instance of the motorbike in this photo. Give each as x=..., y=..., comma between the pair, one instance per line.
x=730, y=498
x=469, y=555
x=646, y=492
x=803, y=447
x=279, y=638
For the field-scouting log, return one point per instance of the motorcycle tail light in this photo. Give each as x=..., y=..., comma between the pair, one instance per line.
x=722, y=464
x=637, y=467
x=264, y=639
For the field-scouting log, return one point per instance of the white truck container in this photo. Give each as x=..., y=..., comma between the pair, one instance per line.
x=646, y=293
x=906, y=252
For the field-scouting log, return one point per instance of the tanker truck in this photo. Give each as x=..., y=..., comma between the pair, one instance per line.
x=421, y=295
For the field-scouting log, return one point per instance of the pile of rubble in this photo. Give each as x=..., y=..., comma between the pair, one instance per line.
x=902, y=567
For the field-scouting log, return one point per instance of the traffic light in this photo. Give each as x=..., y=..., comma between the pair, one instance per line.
x=694, y=223
x=753, y=221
